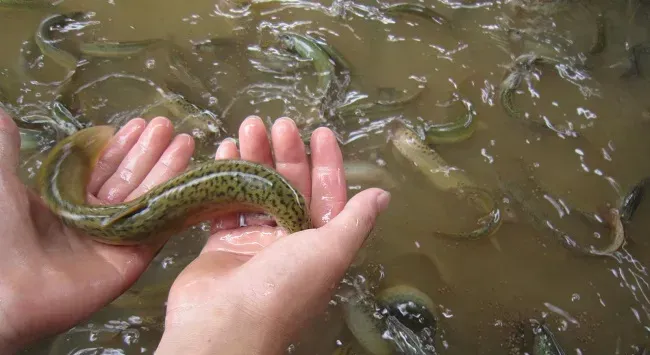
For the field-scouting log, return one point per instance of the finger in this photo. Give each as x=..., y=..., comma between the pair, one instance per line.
x=227, y=150
x=309, y=264
x=138, y=162
x=114, y=153
x=172, y=162
x=290, y=156
x=254, y=142
x=329, y=191
x=9, y=142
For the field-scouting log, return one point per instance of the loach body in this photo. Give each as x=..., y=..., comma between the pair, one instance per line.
x=383, y=106
x=540, y=220
x=47, y=45
x=600, y=40
x=631, y=201
x=545, y=342
x=307, y=48
x=443, y=177
x=399, y=320
x=111, y=49
x=458, y=130
x=199, y=194
x=417, y=10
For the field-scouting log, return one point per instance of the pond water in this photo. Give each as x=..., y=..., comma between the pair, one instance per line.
x=574, y=141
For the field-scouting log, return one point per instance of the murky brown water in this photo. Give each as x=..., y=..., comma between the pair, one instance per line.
x=595, y=305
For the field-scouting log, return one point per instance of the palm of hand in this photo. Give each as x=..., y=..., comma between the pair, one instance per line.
x=59, y=275
x=63, y=276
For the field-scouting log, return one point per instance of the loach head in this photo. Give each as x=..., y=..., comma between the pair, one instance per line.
x=68, y=165
x=286, y=41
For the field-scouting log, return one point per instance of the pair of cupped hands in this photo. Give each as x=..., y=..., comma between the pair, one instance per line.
x=249, y=291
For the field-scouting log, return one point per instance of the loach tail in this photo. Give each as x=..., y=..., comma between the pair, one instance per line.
x=65, y=172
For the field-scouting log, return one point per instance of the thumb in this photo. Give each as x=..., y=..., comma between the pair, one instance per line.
x=308, y=265
x=9, y=142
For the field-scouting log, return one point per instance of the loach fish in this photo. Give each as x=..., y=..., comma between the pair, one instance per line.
x=114, y=49
x=539, y=219
x=600, y=39
x=308, y=48
x=363, y=172
x=382, y=106
x=520, y=69
x=417, y=10
x=458, y=130
x=29, y=139
x=48, y=46
x=414, y=149
x=198, y=194
x=544, y=341
x=631, y=201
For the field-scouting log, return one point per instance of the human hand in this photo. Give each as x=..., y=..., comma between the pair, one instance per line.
x=249, y=290
x=53, y=277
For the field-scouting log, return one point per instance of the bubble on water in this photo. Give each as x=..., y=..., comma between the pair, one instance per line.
x=447, y=313
x=586, y=113
x=167, y=262
x=636, y=314
x=420, y=79
x=488, y=158
x=575, y=297
x=130, y=336
x=150, y=64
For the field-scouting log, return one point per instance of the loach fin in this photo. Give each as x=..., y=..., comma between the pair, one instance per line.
x=136, y=207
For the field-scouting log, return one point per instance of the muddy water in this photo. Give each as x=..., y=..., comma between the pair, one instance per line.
x=483, y=288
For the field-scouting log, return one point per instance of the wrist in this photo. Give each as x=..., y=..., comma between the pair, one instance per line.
x=232, y=332
x=209, y=342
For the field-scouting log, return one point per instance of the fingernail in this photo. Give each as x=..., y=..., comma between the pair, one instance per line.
x=159, y=121
x=253, y=118
x=288, y=120
x=382, y=200
x=231, y=140
x=320, y=138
